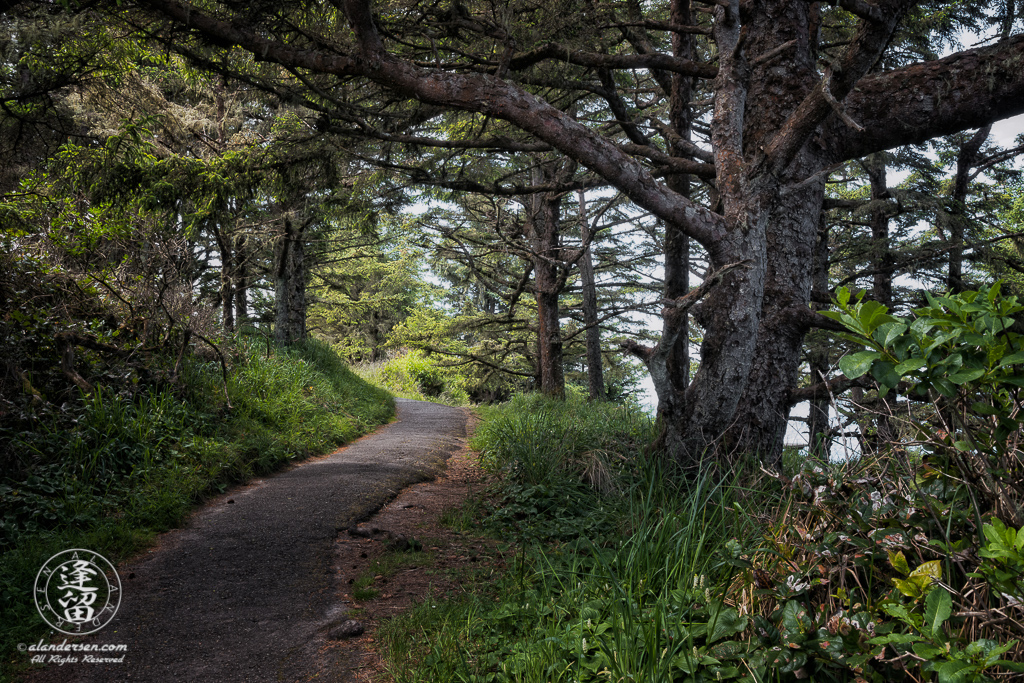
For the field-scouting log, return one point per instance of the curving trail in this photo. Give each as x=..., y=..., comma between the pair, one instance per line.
x=245, y=591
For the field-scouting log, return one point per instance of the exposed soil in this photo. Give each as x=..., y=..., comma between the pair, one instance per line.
x=434, y=556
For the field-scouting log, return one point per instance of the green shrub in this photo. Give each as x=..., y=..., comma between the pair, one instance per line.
x=125, y=467
x=417, y=375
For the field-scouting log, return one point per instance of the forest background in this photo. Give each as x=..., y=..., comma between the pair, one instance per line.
x=210, y=209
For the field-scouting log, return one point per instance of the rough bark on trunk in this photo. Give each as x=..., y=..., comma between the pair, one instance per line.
x=882, y=261
x=818, y=436
x=290, y=284
x=677, y=243
x=544, y=245
x=883, y=265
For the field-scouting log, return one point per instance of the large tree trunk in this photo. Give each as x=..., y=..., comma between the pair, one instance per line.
x=544, y=244
x=759, y=421
x=290, y=284
x=755, y=324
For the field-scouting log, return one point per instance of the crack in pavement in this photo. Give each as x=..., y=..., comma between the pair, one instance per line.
x=245, y=592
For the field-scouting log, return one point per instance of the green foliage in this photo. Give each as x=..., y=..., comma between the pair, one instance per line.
x=925, y=630
x=126, y=466
x=802, y=578
x=634, y=607
x=962, y=353
x=534, y=440
x=419, y=376
x=956, y=344
x=362, y=296
x=1004, y=550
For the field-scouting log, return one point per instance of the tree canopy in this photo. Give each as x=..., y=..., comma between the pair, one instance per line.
x=726, y=121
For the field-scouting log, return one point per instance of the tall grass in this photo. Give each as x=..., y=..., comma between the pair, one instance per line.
x=129, y=467
x=864, y=570
x=629, y=599
x=420, y=377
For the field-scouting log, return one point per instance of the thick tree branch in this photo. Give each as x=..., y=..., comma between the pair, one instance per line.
x=499, y=143
x=480, y=93
x=597, y=60
x=826, y=389
x=869, y=43
x=663, y=26
x=916, y=103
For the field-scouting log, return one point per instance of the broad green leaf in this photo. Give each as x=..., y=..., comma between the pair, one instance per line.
x=899, y=562
x=1012, y=359
x=922, y=326
x=910, y=588
x=937, y=608
x=872, y=315
x=945, y=387
x=728, y=622
x=982, y=408
x=932, y=570
x=967, y=375
x=953, y=671
x=855, y=365
x=928, y=651
x=889, y=331
x=1012, y=666
x=898, y=638
x=794, y=619
x=843, y=296
x=885, y=374
x=993, y=292
x=910, y=364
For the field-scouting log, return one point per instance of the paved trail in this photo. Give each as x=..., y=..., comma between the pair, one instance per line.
x=245, y=591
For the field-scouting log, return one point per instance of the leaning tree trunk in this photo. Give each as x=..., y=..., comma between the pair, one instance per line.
x=290, y=285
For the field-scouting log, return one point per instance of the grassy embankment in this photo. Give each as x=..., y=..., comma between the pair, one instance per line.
x=625, y=569
x=128, y=468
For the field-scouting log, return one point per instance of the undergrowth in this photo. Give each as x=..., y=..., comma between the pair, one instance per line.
x=877, y=569
x=118, y=468
x=417, y=376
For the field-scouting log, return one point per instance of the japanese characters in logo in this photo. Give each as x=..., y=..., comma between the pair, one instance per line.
x=77, y=592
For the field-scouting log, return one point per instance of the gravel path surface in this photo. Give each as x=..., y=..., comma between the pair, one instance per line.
x=246, y=591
